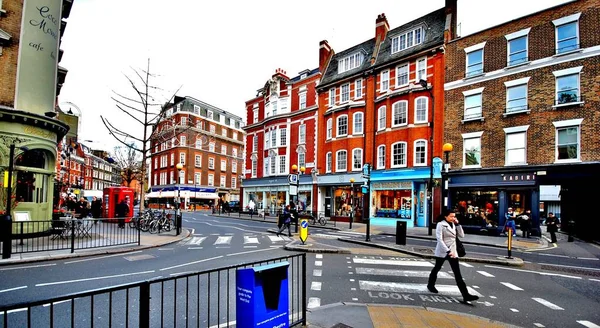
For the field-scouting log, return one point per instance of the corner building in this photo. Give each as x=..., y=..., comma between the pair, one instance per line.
x=281, y=132
x=376, y=107
x=522, y=107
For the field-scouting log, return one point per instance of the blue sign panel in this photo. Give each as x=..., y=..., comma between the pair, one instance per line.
x=262, y=296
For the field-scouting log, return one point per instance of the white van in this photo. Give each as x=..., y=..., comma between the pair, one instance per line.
x=88, y=194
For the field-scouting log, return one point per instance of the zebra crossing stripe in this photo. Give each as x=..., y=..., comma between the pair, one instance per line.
x=250, y=240
x=196, y=240
x=315, y=285
x=313, y=302
x=511, y=286
x=393, y=262
x=275, y=239
x=411, y=288
x=466, y=265
x=400, y=273
x=546, y=303
x=583, y=323
x=223, y=240
x=485, y=274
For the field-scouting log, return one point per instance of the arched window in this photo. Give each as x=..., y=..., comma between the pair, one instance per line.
x=31, y=187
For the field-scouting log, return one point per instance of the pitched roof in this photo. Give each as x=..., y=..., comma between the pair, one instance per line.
x=331, y=73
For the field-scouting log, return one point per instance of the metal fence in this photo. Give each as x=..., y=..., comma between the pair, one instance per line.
x=69, y=234
x=200, y=299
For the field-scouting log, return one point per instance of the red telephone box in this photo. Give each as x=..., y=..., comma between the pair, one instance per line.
x=111, y=197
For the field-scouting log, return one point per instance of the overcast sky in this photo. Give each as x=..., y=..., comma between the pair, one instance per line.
x=221, y=52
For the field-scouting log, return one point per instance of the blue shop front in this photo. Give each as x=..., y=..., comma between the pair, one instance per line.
x=481, y=199
x=400, y=195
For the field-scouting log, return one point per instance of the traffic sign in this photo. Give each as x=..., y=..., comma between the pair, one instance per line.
x=303, y=230
x=293, y=178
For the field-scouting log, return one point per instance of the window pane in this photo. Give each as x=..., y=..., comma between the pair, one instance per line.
x=517, y=98
x=567, y=88
x=516, y=156
x=567, y=136
x=515, y=140
x=518, y=51
x=473, y=106
x=475, y=62
x=472, y=151
x=567, y=37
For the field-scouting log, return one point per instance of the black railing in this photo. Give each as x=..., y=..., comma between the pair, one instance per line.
x=201, y=299
x=70, y=234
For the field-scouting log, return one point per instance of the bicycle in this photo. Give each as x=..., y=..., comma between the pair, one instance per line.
x=321, y=219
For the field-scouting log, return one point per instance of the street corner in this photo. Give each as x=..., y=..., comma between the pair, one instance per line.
x=311, y=246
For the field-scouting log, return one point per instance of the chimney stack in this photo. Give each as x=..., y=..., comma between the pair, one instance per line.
x=451, y=21
x=381, y=28
x=325, y=53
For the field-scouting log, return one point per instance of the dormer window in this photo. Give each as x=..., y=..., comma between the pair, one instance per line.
x=407, y=40
x=350, y=62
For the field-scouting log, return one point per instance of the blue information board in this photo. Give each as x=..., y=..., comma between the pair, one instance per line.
x=262, y=296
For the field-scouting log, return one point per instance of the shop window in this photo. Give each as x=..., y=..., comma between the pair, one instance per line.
x=393, y=204
x=31, y=187
x=476, y=208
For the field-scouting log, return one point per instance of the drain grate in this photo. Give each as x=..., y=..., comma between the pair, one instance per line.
x=139, y=257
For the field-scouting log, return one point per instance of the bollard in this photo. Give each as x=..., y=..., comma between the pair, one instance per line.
x=400, y=233
x=510, y=233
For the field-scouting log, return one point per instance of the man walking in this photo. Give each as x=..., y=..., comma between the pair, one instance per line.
x=122, y=212
x=287, y=220
x=552, y=226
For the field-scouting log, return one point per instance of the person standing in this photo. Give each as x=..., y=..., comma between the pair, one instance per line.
x=552, y=226
x=287, y=220
x=446, y=232
x=96, y=207
x=122, y=212
x=526, y=223
x=510, y=222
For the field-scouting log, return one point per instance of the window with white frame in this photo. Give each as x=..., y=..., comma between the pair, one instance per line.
x=254, y=168
x=302, y=134
x=381, y=118
x=400, y=113
x=342, y=125
x=474, y=60
x=198, y=161
x=267, y=139
x=182, y=177
x=472, y=149
x=213, y=128
x=172, y=159
x=197, y=178
x=267, y=163
x=567, y=33
x=568, y=140
x=567, y=85
x=358, y=88
x=357, y=123
x=154, y=179
x=224, y=149
x=234, y=165
x=420, y=153
x=282, y=164
x=302, y=100
x=211, y=163
x=233, y=182
x=273, y=163
x=183, y=141
x=421, y=73
x=301, y=159
x=350, y=62
x=163, y=178
x=163, y=161
x=421, y=104
x=402, y=75
x=283, y=137
x=341, y=161
x=234, y=152
x=234, y=135
x=328, y=162
x=209, y=114
x=198, y=144
x=345, y=93
x=171, y=177
x=516, y=95
x=399, y=154
x=184, y=121
x=274, y=138
x=473, y=105
x=517, y=44
x=211, y=147
x=224, y=132
x=516, y=145
x=222, y=182
x=255, y=143
x=329, y=128
x=331, y=97
x=211, y=180
x=274, y=106
x=381, y=157
x=223, y=165
x=384, y=81
x=357, y=159
x=407, y=39
x=155, y=162
x=199, y=124
x=255, y=115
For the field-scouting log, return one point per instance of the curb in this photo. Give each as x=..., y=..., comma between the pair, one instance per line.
x=543, y=245
x=116, y=250
x=296, y=245
x=514, y=262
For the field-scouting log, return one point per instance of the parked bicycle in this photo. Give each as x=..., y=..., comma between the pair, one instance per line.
x=320, y=218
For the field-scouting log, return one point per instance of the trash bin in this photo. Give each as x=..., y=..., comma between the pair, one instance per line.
x=400, y=233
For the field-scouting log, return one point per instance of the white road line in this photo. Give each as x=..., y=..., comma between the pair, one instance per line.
x=313, y=302
x=400, y=273
x=100, y=257
x=393, y=262
x=252, y=246
x=587, y=324
x=56, y=303
x=250, y=240
x=483, y=273
x=28, y=267
x=546, y=303
x=165, y=249
x=539, y=325
x=94, y=278
x=555, y=255
x=318, y=263
x=591, y=279
x=196, y=240
x=571, y=266
x=240, y=253
x=223, y=240
x=355, y=299
x=536, y=272
x=199, y=261
x=11, y=289
x=195, y=247
x=588, y=258
x=317, y=272
x=466, y=265
x=381, y=286
x=511, y=286
x=514, y=310
x=319, y=256
x=275, y=239
x=315, y=285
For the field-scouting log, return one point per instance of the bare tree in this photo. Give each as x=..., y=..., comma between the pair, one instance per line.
x=128, y=159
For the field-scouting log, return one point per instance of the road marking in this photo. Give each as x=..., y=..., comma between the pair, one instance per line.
x=93, y=278
x=319, y=256
x=591, y=279
x=355, y=299
x=467, y=265
x=483, y=273
x=315, y=285
x=28, y=267
x=317, y=272
x=588, y=258
x=536, y=272
x=318, y=263
x=514, y=310
x=538, y=325
x=165, y=249
x=11, y=289
x=250, y=240
x=352, y=280
x=313, y=302
x=277, y=238
x=195, y=247
x=253, y=246
x=555, y=255
x=221, y=240
x=587, y=324
x=195, y=262
x=100, y=257
x=511, y=286
x=393, y=262
x=546, y=303
x=381, y=286
x=196, y=240
x=258, y=250
x=571, y=266
x=400, y=273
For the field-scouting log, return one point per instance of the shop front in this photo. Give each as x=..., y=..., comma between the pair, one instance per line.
x=339, y=198
x=192, y=197
x=271, y=195
x=399, y=195
x=481, y=199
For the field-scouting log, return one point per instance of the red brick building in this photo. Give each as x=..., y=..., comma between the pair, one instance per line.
x=208, y=142
x=522, y=113
x=281, y=132
x=376, y=108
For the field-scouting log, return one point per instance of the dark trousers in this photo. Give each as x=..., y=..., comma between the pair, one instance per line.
x=553, y=236
x=439, y=261
x=283, y=228
x=121, y=222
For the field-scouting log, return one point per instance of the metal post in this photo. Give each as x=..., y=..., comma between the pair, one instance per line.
x=304, y=290
x=178, y=216
x=351, y=203
x=430, y=215
x=144, y=306
x=367, y=206
x=445, y=186
x=7, y=244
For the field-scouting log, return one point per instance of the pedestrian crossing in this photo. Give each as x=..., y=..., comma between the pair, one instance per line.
x=199, y=241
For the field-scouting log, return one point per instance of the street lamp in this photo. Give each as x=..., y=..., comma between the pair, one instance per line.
x=447, y=148
x=424, y=84
x=179, y=167
x=351, y=201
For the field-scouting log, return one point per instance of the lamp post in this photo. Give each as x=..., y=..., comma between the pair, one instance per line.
x=7, y=241
x=367, y=199
x=351, y=201
x=423, y=84
x=179, y=167
x=447, y=148
x=297, y=186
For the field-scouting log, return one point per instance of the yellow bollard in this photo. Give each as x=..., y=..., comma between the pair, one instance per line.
x=510, y=234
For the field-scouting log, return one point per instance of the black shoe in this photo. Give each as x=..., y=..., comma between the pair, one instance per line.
x=432, y=289
x=469, y=298
x=289, y=235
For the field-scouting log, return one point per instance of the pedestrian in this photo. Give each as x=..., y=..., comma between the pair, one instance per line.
x=287, y=220
x=122, y=212
x=552, y=226
x=446, y=232
x=526, y=223
x=510, y=222
x=96, y=208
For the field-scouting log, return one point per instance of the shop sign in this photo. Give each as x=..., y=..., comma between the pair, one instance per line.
x=518, y=177
x=392, y=185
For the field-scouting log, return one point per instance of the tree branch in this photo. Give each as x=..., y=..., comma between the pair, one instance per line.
x=112, y=129
x=130, y=115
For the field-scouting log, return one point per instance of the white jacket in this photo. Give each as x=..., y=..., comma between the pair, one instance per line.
x=446, y=238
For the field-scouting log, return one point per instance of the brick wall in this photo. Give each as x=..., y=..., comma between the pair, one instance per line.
x=10, y=23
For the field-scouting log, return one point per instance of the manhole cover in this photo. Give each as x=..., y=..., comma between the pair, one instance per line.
x=139, y=257
x=341, y=325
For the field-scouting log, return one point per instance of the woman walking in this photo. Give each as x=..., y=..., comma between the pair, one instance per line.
x=446, y=232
